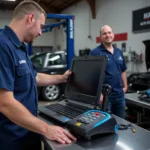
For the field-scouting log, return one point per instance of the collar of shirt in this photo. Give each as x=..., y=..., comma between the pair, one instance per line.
x=13, y=37
x=102, y=47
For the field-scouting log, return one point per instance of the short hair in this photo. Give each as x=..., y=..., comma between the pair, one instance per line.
x=103, y=27
x=27, y=7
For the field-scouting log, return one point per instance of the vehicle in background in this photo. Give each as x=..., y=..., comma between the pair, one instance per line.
x=138, y=82
x=50, y=63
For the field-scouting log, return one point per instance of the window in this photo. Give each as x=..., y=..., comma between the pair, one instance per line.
x=54, y=59
x=38, y=61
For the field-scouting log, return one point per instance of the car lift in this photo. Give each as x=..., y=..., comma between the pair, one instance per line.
x=68, y=20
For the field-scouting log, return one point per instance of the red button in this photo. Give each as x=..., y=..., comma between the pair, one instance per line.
x=97, y=113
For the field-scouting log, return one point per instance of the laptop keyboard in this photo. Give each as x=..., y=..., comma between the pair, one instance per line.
x=66, y=110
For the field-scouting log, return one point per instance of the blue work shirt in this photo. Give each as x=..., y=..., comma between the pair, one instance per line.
x=115, y=66
x=18, y=76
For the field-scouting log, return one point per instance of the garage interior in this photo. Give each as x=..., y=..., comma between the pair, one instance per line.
x=62, y=40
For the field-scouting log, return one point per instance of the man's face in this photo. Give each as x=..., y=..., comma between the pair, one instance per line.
x=35, y=28
x=107, y=35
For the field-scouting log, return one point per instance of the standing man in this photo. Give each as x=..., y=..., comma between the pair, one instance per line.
x=115, y=72
x=20, y=129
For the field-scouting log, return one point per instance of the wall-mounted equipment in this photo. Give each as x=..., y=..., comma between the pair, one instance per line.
x=123, y=47
x=136, y=57
x=84, y=52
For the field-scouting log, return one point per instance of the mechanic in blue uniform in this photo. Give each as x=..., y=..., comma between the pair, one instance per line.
x=20, y=129
x=115, y=74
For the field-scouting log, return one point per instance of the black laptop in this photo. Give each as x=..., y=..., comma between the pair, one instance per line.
x=83, y=89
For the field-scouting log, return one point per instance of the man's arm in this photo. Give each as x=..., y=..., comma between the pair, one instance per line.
x=124, y=80
x=45, y=79
x=18, y=114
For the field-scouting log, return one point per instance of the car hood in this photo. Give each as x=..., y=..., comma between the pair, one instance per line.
x=147, y=53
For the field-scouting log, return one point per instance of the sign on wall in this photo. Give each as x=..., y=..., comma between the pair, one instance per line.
x=141, y=20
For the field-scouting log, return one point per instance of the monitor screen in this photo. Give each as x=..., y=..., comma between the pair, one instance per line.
x=86, y=80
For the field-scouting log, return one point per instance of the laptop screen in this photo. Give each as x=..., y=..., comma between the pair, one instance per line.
x=86, y=80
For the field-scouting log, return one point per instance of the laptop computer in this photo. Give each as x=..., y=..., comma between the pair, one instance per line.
x=83, y=89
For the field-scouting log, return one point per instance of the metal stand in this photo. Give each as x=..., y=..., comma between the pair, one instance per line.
x=106, y=91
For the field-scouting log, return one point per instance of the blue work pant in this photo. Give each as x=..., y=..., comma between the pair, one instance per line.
x=117, y=106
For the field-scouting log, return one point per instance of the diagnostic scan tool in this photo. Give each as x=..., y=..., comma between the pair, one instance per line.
x=94, y=122
x=91, y=123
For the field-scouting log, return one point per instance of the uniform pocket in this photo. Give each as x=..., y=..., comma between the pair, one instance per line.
x=23, y=78
x=22, y=70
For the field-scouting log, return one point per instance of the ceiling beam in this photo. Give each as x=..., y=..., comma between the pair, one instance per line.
x=66, y=4
x=55, y=10
x=92, y=4
x=50, y=2
x=70, y=3
x=17, y=3
x=48, y=9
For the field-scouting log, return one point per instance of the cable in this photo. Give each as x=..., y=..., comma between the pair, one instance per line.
x=125, y=127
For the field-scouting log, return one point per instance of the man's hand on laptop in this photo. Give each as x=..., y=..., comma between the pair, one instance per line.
x=66, y=75
x=59, y=134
